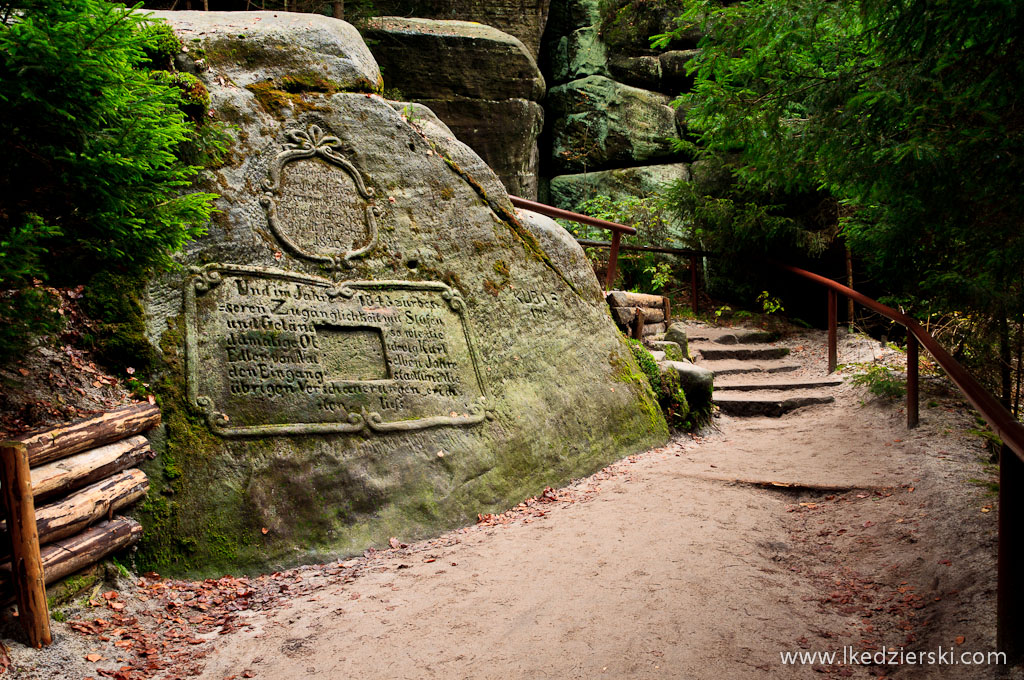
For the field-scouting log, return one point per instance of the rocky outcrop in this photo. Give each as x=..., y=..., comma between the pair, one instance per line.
x=598, y=123
x=568, y=191
x=608, y=108
x=483, y=83
x=525, y=19
x=369, y=342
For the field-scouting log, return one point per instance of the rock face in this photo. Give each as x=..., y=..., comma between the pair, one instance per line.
x=568, y=191
x=598, y=123
x=369, y=342
x=483, y=83
x=608, y=106
x=525, y=19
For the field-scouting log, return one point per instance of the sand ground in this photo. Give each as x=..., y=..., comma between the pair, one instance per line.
x=831, y=528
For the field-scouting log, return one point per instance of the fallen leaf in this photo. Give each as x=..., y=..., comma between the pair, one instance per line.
x=264, y=531
x=94, y=657
x=960, y=639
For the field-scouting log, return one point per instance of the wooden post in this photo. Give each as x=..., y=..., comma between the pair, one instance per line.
x=833, y=352
x=668, y=312
x=638, y=324
x=26, y=563
x=613, y=261
x=693, y=283
x=912, y=387
x=1009, y=587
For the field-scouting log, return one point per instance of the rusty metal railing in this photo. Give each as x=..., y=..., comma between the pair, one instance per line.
x=617, y=230
x=1010, y=585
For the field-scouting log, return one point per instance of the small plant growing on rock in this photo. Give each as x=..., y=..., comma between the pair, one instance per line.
x=881, y=382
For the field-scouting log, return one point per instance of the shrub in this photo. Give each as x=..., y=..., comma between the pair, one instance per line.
x=90, y=170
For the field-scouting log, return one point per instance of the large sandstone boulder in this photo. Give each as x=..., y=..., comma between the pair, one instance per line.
x=579, y=54
x=525, y=19
x=598, y=123
x=568, y=191
x=369, y=342
x=483, y=83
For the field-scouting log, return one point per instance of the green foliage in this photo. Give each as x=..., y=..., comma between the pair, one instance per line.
x=769, y=304
x=655, y=224
x=905, y=113
x=90, y=172
x=161, y=44
x=195, y=99
x=880, y=381
x=665, y=385
x=28, y=312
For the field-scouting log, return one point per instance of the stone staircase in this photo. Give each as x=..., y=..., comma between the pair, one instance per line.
x=754, y=375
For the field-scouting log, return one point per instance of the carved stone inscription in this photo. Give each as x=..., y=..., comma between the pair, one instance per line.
x=321, y=208
x=317, y=201
x=274, y=352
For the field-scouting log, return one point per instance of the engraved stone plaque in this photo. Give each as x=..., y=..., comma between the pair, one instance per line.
x=273, y=352
x=317, y=202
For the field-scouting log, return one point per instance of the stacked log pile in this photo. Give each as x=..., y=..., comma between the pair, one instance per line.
x=81, y=474
x=639, y=315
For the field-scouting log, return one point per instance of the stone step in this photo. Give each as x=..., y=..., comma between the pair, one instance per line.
x=729, y=336
x=712, y=352
x=744, y=383
x=737, y=366
x=772, y=403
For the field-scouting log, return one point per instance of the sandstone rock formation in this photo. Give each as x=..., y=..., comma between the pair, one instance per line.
x=525, y=19
x=483, y=83
x=369, y=342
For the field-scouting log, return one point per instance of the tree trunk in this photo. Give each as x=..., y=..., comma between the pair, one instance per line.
x=1020, y=368
x=849, y=284
x=88, y=434
x=65, y=557
x=71, y=515
x=60, y=477
x=338, y=9
x=1005, y=367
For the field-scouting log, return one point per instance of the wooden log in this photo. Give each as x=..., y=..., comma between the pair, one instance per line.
x=25, y=567
x=625, y=316
x=63, y=476
x=70, y=515
x=654, y=329
x=623, y=298
x=668, y=311
x=69, y=555
x=91, y=433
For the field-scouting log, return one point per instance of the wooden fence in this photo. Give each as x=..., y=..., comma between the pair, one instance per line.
x=60, y=489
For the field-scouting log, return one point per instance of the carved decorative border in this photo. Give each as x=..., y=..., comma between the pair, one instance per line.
x=210, y=276
x=309, y=145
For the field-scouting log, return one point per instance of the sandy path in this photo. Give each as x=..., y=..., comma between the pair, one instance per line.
x=673, y=570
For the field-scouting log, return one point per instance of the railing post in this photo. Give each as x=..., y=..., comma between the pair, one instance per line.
x=613, y=261
x=1010, y=586
x=693, y=283
x=26, y=563
x=833, y=352
x=913, y=409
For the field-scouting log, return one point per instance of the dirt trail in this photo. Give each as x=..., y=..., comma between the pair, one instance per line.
x=831, y=527
x=671, y=568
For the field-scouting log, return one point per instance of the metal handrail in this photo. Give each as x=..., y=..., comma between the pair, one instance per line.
x=1010, y=587
x=995, y=414
x=617, y=230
